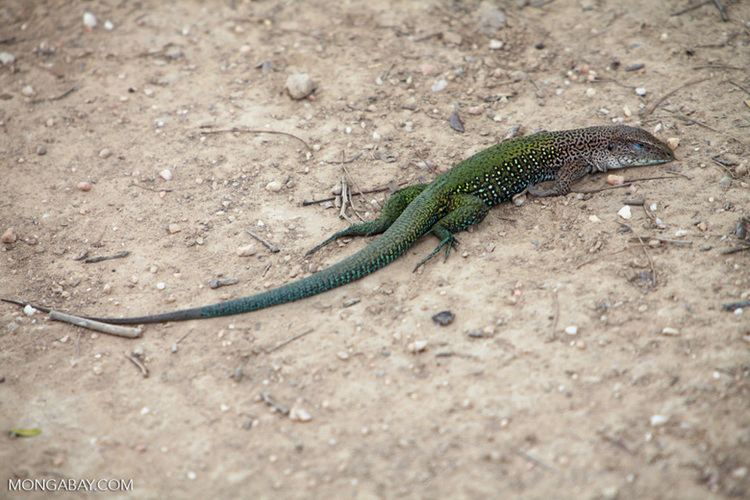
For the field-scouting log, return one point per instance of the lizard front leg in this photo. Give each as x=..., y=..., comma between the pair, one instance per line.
x=566, y=176
x=465, y=211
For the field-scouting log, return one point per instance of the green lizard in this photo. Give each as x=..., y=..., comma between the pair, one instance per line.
x=545, y=164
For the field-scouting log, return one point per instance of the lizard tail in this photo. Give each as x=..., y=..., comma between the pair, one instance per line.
x=414, y=222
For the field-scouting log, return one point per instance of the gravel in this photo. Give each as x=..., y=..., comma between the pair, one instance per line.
x=300, y=85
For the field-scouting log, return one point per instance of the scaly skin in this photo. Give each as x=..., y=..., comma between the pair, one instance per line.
x=454, y=201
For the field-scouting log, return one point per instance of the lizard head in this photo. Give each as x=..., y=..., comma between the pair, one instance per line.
x=624, y=146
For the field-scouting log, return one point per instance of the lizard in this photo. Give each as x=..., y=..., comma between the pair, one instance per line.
x=543, y=164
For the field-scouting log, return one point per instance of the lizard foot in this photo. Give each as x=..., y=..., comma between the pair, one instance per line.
x=449, y=243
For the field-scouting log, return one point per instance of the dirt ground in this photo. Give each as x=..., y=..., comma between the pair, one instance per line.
x=567, y=372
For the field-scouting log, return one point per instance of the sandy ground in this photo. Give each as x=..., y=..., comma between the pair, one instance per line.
x=502, y=402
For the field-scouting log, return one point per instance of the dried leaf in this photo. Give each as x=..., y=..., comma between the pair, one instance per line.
x=456, y=123
x=25, y=433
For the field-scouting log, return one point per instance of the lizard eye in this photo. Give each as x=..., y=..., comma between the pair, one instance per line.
x=638, y=146
x=610, y=146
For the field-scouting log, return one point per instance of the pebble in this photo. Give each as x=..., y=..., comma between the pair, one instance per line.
x=41, y=150
x=9, y=236
x=571, y=330
x=439, y=85
x=417, y=346
x=191, y=475
x=640, y=91
x=7, y=58
x=634, y=67
x=594, y=218
x=626, y=111
x=496, y=44
x=247, y=250
x=659, y=420
x=519, y=199
x=174, y=228
x=725, y=182
x=273, y=186
x=161, y=285
x=28, y=90
x=610, y=493
x=673, y=142
x=741, y=170
x=166, y=174
x=300, y=85
x=97, y=369
x=625, y=212
x=89, y=20
x=105, y=153
x=342, y=355
x=615, y=180
x=28, y=310
x=299, y=414
x=84, y=186
x=108, y=25
x=590, y=92
x=669, y=331
x=444, y=318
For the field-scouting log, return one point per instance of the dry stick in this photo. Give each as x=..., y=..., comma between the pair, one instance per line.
x=690, y=8
x=679, y=243
x=137, y=362
x=289, y=341
x=57, y=97
x=691, y=121
x=344, y=199
x=270, y=401
x=152, y=189
x=270, y=246
x=738, y=86
x=586, y=262
x=331, y=198
x=120, y=331
x=718, y=66
x=351, y=202
x=723, y=167
x=666, y=96
x=556, y=318
x=729, y=251
x=254, y=131
x=626, y=184
x=101, y=258
x=722, y=11
x=648, y=256
x=350, y=160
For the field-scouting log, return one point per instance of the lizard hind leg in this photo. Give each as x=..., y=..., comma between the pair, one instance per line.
x=393, y=207
x=465, y=211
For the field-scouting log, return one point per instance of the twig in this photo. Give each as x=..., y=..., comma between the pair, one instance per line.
x=331, y=198
x=351, y=202
x=556, y=318
x=344, y=198
x=289, y=341
x=692, y=121
x=270, y=246
x=722, y=11
x=736, y=305
x=723, y=167
x=152, y=189
x=669, y=94
x=254, y=131
x=679, y=243
x=586, y=262
x=648, y=256
x=270, y=401
x=718, y=66
x=57, y=97
x=137, y=362
x=101, y=258
x=120, y=331
x=738, y=86
x=626, y=184
x=427, y=37
x=690, y=8
x=342, y=161
x=533, y=460
x=730, y=251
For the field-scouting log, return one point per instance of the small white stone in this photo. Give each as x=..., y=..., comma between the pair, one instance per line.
x=669, y=331
x=590, y=92
x=681, y=232
x=191, y=475
x=300, y=85
x=246, y=250
x=299, y=414
x=166, y=174
x=174, y=228
x=641, y=91
x=89, y=20
x=594, y=218
x=7, y=58
x=161, y=285
x=625, y=212
x=659, y=420
x=417, y=346
x=673, y=142
x=105, y=153
x=571, y=330
x=28, y=310
x=108, y=25
x=626, y=111
x=274, y=186
x=439, y=85
x=145, y=410
x=28, y=90
x=615, y=180
x=496, y=44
